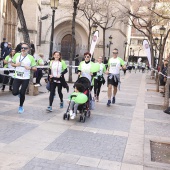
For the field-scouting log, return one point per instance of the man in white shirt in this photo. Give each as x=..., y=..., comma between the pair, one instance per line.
x=113, y=71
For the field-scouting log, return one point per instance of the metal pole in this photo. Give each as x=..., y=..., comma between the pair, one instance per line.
x=52, y=35
x=109, y=49
x=125, y=53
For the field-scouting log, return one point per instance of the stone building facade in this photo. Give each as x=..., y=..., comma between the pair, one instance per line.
x=62, y=32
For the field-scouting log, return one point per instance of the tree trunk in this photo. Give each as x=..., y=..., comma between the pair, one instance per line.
x=72, y=50
x=104, y=35
x=166, y=99
x=24, y=29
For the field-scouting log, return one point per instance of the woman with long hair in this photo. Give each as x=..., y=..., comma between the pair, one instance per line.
x=7, y=64
x=57, y=70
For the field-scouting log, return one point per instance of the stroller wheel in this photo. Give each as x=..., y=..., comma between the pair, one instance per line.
x=88, y=113
x=84, y=119
x=81, y=118
x=68, y=117
x=64, y=116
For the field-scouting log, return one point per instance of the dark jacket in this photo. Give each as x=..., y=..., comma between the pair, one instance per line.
x=6, y=51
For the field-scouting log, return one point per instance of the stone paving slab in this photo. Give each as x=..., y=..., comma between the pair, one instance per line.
x=43, y=164
x=157, y=129
x=108, y=123
x=156, y=114
x=35, y=113
x=90, y=144
x=10, y=131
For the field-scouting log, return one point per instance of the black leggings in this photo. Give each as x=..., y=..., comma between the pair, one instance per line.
x=16, y=85
x=97, y=87
x=38, y=76
x=53, y=86
x=11, y=81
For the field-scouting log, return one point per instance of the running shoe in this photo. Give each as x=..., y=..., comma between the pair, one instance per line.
x=73, y=116
x=109, y=102
x=21, y=109
x=113, y=100
x=71, y=112
x=61, y=105
x=49, y=108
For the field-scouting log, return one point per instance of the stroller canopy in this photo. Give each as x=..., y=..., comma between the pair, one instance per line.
x=85, y=82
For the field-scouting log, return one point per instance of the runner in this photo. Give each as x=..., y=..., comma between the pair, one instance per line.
x=143, y=67
x=38, y=73
x=85, y=66
x=99, y=79
x=23, y=62
x=57, y=70
x=136, y=66
x=7, y=62
x=113, y=72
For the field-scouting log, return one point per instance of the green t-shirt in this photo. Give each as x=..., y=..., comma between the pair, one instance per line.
x=21, y=72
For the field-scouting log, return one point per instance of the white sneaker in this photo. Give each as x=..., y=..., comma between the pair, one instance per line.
x=71, y=112
x=73, y=116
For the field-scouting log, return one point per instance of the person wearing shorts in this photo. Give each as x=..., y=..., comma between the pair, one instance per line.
x=113, y=71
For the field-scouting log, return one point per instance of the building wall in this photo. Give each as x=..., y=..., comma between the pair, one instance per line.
x=63, y=17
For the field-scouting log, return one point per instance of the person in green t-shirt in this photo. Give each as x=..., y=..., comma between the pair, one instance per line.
x=38, y=73
x=99, y=79
x=23, y=63
x=7, y=64
x=113, y=71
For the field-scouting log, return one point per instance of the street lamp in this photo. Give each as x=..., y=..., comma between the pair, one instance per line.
x=156, y=40
x=54, y=6
x=125, y=50
x=109, y=45
x=162, y=32
x=94, y=28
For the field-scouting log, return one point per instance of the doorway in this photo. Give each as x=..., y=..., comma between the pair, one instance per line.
x=66, y=46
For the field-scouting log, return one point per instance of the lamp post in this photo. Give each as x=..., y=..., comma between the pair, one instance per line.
x=130, y=53
x=162, y=32
x=54, y=6
x=109, y=45
x=156, y=40
x=94, y=28
x=125, y=50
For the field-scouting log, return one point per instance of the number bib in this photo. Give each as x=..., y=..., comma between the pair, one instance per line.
x=20, y=72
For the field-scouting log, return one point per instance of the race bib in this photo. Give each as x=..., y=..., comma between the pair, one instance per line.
x=20, y=72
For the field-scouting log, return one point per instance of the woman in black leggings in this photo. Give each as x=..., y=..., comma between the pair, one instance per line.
x=56, y=77
x=8, y=62
x=99, y=79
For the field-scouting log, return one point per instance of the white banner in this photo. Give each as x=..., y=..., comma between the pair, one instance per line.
x=94, y=41
x=147, y=50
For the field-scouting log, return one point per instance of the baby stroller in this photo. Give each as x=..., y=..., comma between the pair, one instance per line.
x=84, y=109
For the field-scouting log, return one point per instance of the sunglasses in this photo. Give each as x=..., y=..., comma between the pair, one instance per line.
x=25, y=48
x=115, y=52
x=87, y=57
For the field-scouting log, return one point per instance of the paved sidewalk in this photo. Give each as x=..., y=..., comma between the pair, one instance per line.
x=113, y=138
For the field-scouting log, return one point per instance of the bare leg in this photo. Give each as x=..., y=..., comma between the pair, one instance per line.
x=114, y=91
x=109, y=92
